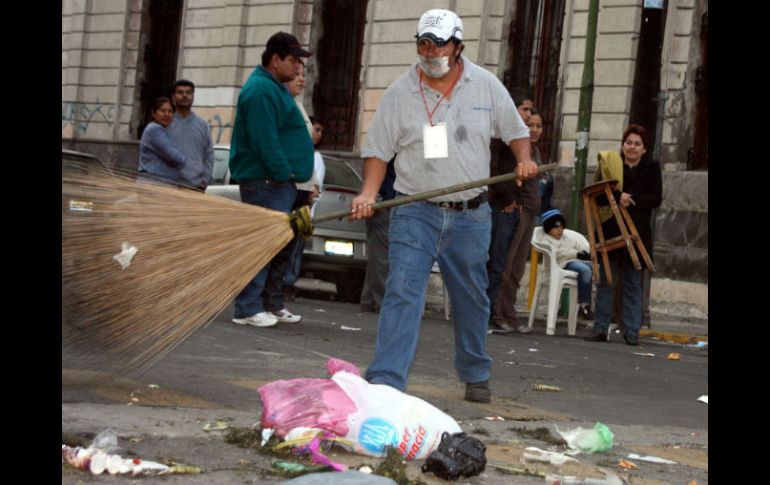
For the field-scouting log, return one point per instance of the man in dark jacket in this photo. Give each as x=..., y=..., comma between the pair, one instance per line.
x=271, y=150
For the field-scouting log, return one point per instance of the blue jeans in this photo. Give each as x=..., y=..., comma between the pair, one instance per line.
x=504, y=226
x=265, y=290
x=459, y=240
x=621, y=267
x=585, y=275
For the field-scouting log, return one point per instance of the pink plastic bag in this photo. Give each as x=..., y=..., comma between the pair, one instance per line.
x=334, y=365
x=309, y=403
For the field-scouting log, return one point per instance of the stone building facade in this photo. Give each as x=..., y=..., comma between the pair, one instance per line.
x=118, y=53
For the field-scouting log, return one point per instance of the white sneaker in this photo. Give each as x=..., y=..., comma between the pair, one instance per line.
x=263, y=319
x=285, y=316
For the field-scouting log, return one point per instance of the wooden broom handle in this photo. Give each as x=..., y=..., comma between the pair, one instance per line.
x=434, y=193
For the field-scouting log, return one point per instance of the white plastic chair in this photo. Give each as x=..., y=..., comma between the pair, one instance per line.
x=556, y=278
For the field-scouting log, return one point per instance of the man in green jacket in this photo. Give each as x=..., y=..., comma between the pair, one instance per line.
x=270, y=151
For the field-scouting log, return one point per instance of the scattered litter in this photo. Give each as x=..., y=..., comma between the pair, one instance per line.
x=266, y=434
x=494, y=418
x=547, y=456
x=643, y=354
x=627, y=465
x=127, y=253
x=98, y=461
x=320, y=310
x=291, y=469
x=700, y=345
x=510, y=363
x=611, y=479
x=135, y=440
x=153, y=386
x=651, y=459
x=704, y=398
x=458, y=455
x=365, y=418
x=244, y=462
x=219, y=425
x=134, y=399
x=674, y=356
x=366, y=469
x=352, y=329
x=511, y=352
x=598, y=439
x=544, y=387
x=533, y=350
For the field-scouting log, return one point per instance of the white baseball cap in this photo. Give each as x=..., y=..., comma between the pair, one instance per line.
x=439, y=25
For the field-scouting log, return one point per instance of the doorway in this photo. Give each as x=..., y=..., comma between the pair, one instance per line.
x=161, y=23
x=535, y=43
x=336, y=91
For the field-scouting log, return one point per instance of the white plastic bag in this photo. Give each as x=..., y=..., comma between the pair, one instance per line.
x=388, y=417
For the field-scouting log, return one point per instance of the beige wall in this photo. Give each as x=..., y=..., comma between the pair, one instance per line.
x=99, y=54
x=222, y=42
x=616, y=49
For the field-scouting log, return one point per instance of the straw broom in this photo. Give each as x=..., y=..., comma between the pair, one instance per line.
x=194, y=252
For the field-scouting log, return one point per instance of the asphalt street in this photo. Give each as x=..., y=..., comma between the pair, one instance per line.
x=648, y=401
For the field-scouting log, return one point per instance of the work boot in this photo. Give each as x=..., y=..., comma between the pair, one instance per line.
x=597, y=337
x=478, y=392
x=630, y=340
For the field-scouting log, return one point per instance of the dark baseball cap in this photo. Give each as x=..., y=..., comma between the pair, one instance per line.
x=283, y=43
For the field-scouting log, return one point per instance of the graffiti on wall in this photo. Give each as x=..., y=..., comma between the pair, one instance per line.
x=81, y=115
x=218, y=128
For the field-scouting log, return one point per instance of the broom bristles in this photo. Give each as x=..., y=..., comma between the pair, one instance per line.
x=195, y=252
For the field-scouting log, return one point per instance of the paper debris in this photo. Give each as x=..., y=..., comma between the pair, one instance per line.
x=625, y=464
x=544, y=387
x=704, y=398
x=674, y=356
x=494, y=418
x=643, y=354
x=547, y=456
x=651, y=459
x=126, y=255
x=352, y=329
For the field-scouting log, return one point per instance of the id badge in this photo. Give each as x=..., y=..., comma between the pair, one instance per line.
x=434, y=140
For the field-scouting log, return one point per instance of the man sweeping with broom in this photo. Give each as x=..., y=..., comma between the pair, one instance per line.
x=438, y=145
x=271, y=150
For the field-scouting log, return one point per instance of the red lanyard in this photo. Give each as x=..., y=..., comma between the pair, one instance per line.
x=425, y=103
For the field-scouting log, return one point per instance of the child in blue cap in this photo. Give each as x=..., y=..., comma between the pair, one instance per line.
x=572, y=254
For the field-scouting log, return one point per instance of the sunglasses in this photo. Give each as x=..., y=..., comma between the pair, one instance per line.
x=429, y=40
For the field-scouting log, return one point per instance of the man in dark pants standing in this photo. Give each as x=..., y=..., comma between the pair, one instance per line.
x=271, y=150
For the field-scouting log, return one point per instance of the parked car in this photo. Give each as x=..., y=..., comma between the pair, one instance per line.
x=79, y=161
x=336, y=251
x=71, y=156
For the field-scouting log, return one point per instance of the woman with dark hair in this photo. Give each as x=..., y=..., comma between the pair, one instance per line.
x=641, y=192
x=160, y=159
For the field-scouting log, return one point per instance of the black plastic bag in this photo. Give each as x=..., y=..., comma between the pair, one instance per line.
x=458, y=455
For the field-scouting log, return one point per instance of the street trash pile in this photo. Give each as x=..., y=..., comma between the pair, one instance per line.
x=458, y=455
x=311, y=415
x=97, y=458
x=598, y=439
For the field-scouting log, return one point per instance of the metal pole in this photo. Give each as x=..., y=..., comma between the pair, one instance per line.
x=584, y=113
x=434, y=193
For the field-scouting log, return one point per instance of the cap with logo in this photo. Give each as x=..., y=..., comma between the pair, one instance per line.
x=439, y=25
